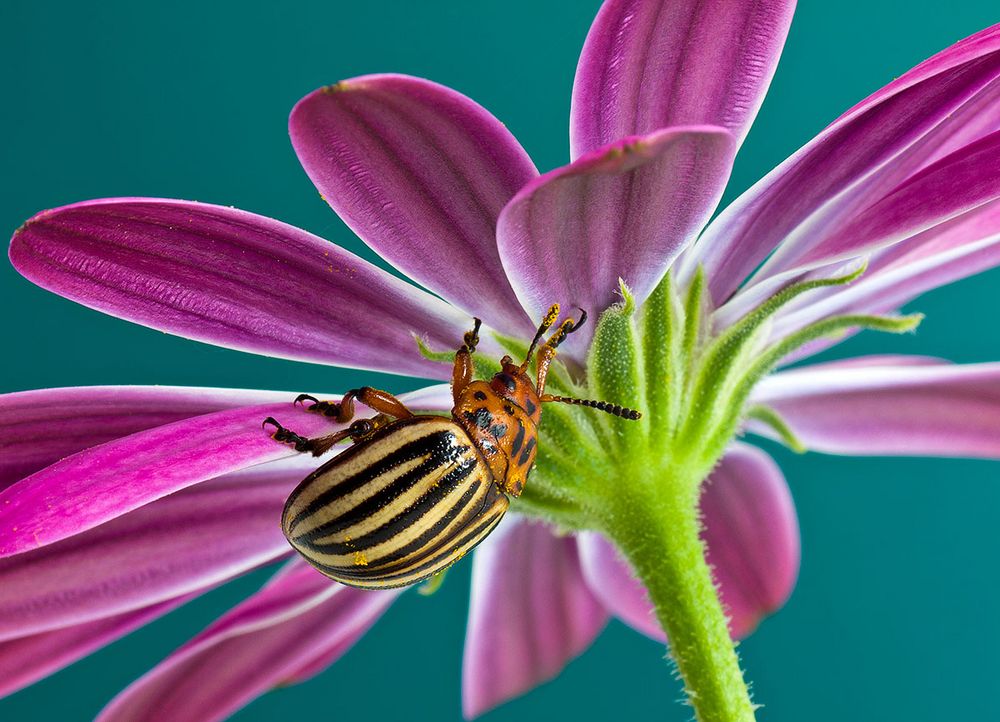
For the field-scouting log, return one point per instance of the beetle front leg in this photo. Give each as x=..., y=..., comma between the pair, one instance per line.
x=464, y=370
x=321, y=444
x=343, y=411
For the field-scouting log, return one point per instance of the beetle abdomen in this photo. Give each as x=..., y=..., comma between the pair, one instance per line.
x=400, y=507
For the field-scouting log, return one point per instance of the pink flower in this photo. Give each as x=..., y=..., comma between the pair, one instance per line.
x=103, y=522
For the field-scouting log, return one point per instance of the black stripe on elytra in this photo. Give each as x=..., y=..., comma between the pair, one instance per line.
x=526, y=454
x=518, y=439
x=530, y=407
x=369, y=505
x=413, y=574
x=410, y=515
x=498, y=430
x=443, y=547
x=431, y=537
x=480, y=529
x=430, y=444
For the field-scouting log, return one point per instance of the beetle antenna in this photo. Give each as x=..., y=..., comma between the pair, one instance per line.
x=613, y=409
x=550, y=318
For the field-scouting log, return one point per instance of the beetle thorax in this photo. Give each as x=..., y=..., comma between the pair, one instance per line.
x=501, y=417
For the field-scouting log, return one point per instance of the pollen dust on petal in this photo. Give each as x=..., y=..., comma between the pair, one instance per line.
x=360, y=560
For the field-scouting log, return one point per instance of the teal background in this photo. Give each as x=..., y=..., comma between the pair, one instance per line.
x=894, y=614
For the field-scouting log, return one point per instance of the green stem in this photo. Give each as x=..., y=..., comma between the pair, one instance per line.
x=662, y=542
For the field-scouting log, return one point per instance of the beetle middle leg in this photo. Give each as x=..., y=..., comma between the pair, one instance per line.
x=464, y=370
x=321, y=444
x=343, y=411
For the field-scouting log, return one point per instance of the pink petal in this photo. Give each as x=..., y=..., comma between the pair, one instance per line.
x=26, y=660
x=888, y=408
x=648, y=65
x=184, y=542
x=420, y=173
x=429, y=398
x=530, y=613
x=956, y=184
x=933, y=110
x=37, y=428
x=234, y=279
x=614, y=583
x=299, y=616
x=948, y=252
x=753, y=546
x=106, y=481
x=624, y=211
x=752, y=533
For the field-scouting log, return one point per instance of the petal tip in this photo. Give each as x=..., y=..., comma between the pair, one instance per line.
x=334, y=88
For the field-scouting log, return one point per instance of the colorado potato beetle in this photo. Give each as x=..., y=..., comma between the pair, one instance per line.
x=414, y=493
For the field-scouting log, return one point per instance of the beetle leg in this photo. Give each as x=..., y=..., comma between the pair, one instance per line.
x=380, y=401
x=321, y=444
x=287, y=436
x=548, y=350
x=464, y=370
x=551, y=316
x=545, y=356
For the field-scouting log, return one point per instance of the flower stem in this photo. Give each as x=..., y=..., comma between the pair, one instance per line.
x=662, y=542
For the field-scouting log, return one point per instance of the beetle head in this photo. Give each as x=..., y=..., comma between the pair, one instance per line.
x=514, y=385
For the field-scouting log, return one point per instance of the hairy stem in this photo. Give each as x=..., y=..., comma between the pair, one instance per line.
x=662, y=542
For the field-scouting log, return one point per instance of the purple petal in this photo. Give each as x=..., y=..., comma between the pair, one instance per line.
x=420, y=173
x=752, y=535
x=530, y=613
x=190, y=540
x=935, y=109
x=429, y=398
x=624, y=211
x=881, y=407
x=37, y=428
x=615, y=584
x=648, y=65
x=106, y=481
x=234, y=279
x=958, y=183
x=950, y=251
x=299, y=616
x=26, y=660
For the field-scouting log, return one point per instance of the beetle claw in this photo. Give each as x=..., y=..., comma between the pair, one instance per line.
x=286, y=436
x=327, y=408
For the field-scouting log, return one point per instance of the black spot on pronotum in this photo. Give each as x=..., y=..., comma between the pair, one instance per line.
x=526, y=454
x=518, y=439
x=480, y=396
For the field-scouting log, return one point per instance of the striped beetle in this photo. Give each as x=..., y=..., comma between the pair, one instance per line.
x=415, y=493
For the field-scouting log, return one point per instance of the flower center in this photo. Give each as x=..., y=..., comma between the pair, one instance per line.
x=691, y=381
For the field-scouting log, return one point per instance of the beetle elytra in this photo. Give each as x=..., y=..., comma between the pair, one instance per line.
x=414, y=493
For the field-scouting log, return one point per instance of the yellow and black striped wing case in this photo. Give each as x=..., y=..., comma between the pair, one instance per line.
x=398, y=507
